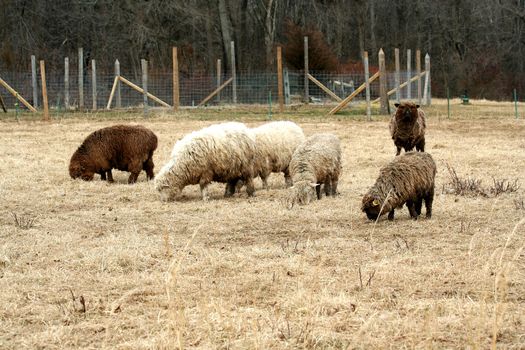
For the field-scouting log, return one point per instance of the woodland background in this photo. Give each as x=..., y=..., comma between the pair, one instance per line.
x=475, y=45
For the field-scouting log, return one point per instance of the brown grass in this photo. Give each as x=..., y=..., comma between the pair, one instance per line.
x=109, y=266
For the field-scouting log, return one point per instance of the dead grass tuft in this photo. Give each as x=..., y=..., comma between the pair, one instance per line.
x=24, y=221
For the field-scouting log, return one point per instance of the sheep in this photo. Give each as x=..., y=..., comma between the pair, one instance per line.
x=275, y=143
x=221, y=152
x=316, y=161
x=407, y=127
x=409, y=179
x=123, y=147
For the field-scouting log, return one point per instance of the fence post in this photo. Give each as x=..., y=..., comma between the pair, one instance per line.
x=286, y=87
x=409, y=74
x=44, y=90
x=418, y=68
x=80, y=78
x=34, y=81
x=427, y=92
x=516, y=104
x=397, y=76
x=219, y=80
x=306, y=72
x=280, y=79
x=94, y=83
x=66, y=83
x=176, y=93
x=118, y=99
x=367, y=77
x=234, y=73
x=382, y=83
x=144, y=65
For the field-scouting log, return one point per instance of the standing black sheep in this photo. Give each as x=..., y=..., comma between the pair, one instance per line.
x=408, y=179
x=407, y=127
x=123, y=147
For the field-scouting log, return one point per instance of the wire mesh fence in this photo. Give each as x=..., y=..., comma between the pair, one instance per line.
x=252, y=88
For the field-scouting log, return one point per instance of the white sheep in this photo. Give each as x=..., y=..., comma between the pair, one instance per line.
x=221, y=152
x=315, y=162
x=275, y=143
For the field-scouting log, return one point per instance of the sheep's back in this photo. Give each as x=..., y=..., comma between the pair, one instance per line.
x=320, y=155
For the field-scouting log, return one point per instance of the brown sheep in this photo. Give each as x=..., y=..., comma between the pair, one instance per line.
x=408, y=179
x=123, y=147
x=407, y=127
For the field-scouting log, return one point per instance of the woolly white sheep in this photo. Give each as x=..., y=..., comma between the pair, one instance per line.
x=221, y=152
x=275, y=143
x=316, y=161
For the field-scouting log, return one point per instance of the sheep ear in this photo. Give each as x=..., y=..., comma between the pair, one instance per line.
x=375, y=203
x=396, y=104
x=313, y=184
x=417, y=106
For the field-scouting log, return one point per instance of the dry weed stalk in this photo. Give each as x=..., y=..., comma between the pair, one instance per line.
x=25, y=222
x=175, y=305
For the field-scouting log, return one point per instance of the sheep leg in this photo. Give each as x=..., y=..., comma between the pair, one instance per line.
x=102, y=175
x=287, y=178
x=204, y=191
x=391, y=215
x=334, y=186
x=110, y=175
x=230, y=188
x=421, y=146
x=398, y=150
x=412, y=209
x=250, y=188
x=428, y=203
x=135, y=167
x=327, y=187
x=318, y=191
x=148, y=168
x=419, y=203
x=264, y=181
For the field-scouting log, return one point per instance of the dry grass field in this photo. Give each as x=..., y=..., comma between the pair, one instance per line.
x=108, y=266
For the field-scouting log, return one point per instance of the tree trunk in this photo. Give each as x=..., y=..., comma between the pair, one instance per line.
x=226, y=30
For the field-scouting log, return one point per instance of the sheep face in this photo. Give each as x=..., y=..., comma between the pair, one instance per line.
x=169, y=194
x=76, y=170
x=372, y=207
x=406, y=112
x=304, y=192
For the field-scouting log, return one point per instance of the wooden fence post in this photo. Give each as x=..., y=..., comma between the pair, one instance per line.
x=34, y=81
x=418, y=69
x=80, y=78
x=66, y=83
x=280, y=79
x=382, y=83
x=94, y=83
x=397, y=76
x=428, y=92
x=409, y=74
x=367, y=77
x=306, y=72
x=176, y=93
x=44, y=90
x=118, y=98
x=144, y=65
x=234, y=73
x=219, y=79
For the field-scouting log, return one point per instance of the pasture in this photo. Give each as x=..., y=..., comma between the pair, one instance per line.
x=110, y=266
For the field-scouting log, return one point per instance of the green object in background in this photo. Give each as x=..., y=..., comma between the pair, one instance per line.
x=516, y=104
x=270, y=105
x=465, y=100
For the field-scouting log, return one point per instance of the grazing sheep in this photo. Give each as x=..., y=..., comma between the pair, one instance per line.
x=222, y=153
x=123, y=147
x=408, y=179
x=407, y=127
x=316, y=161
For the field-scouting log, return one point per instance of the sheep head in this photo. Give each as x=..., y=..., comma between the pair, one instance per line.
x=302, y=192
x=78, y=170
x=406, y=112
x=373, y=206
